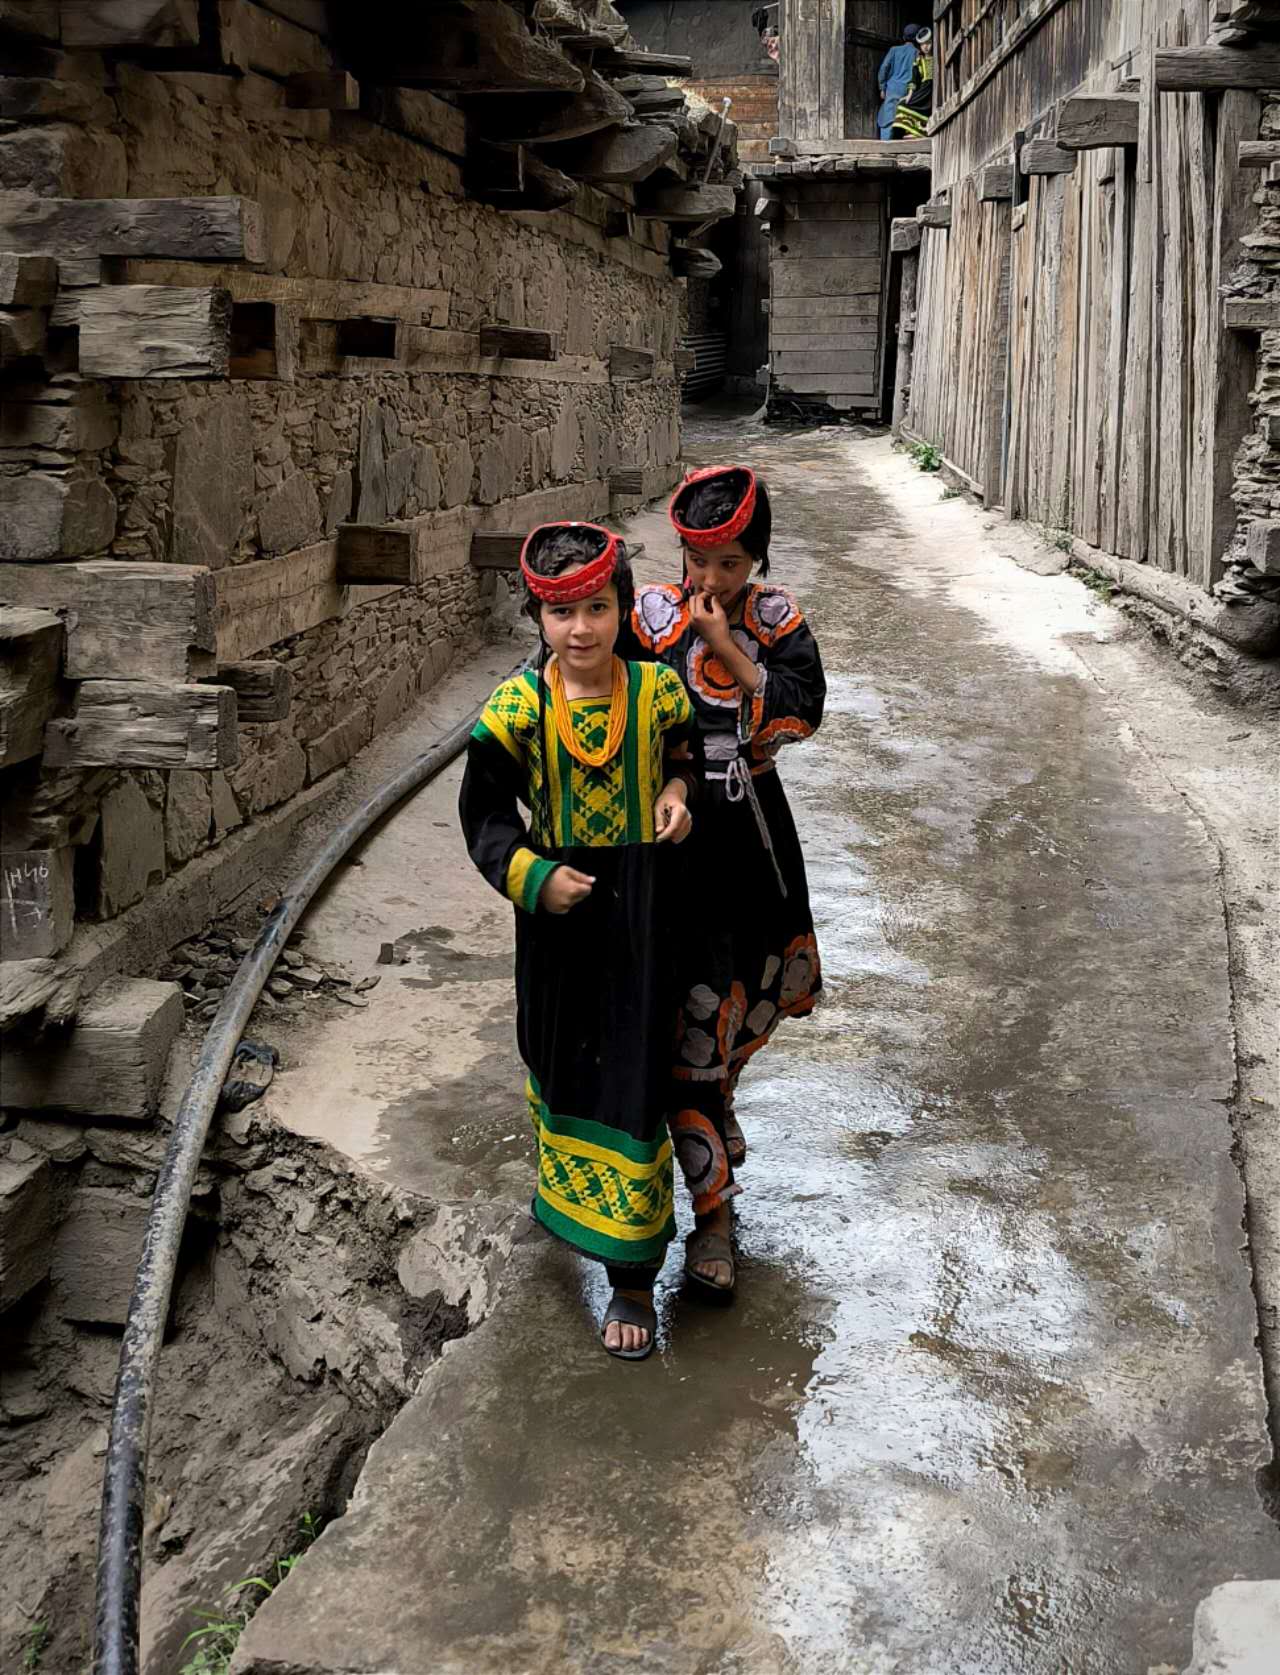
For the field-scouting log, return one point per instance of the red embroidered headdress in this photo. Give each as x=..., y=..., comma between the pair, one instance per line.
x=580, y=584
x=734, y=525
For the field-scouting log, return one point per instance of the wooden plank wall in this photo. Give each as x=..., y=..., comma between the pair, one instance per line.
x=826, y=275
x=1126, y=398
x=811, y=69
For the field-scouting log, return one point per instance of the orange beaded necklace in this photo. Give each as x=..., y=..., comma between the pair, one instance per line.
x=564, y=717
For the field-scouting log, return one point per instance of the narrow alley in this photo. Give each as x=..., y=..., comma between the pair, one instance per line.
x=989, y=1397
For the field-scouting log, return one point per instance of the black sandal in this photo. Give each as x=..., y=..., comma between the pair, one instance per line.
x=627, y=1312
x=702, y=1245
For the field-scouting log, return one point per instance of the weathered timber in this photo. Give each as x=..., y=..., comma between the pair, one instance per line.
x=323, y=90
x=904, y=233
x=512, y=178
x=627, y=480
x=692, y=262
x=1046, y=157
x=622, y=155
x=155, y=331
x=22, y=337
x=500, y=119
x=633, y=60
x=469, y=46
x=37, y=902
x=781, y=146
x=1262, y=543
x=626, y=362
x=109, y=1064
x=935, y=213
x=496, y=550
x=252, y=39
x=520, y=342
x=995, y=183
x=203, y=229
x=131, y=23
x=264, y=690
x=1093, y=121
x=617, y=223
x=687, y=203
x=27, y=281
x=30, y=660
x=684, y=360
x=767, y=208
x=377, y=553
x=421, y=115
x=1251, y=314
x=146, y=724
x=546, y=188
x=125, y=620
x=1211, y=69
x=1258, y=154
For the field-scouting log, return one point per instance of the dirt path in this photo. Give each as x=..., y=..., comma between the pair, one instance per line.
x=989, y=1399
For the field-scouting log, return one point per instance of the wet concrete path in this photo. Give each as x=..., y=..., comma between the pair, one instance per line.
x=988, y=1399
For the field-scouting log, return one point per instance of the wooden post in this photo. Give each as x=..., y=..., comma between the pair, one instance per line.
x=1092, y=121
x=906, y=338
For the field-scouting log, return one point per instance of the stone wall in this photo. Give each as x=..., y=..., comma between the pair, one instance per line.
x=360, y=221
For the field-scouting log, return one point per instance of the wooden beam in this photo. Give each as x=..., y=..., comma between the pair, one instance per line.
x=30, y=661
x=131, y=23
x=322, y=90
x=995, y=183
x=154, y=331
x=146, y=724
x=767, y=208
x=202, y=229
x=935, y=213
x=378, y=554
x=627, y=480
x=654, y=101
x=632, y=59
x=688, y=203
x=1093, y=121
x=692, y=262
x=467, y=46
x=22, y=337
x=684, y=360
x=1251, y=314
x=496, y=550
x=1212, y=69
x=519, y=343
x=904, y=233
x=27, y=281
x=622, y=155
x=626, y=362
x=1253, y=154
x=264, y=690
x=125, y=620
x=502, y=119
x=1046, y=157
x=1262, y=545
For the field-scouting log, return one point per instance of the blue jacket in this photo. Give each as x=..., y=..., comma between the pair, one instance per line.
x=895, y=78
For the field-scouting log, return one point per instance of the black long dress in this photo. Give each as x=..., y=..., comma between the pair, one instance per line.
x=595, y=987
x=749, y=951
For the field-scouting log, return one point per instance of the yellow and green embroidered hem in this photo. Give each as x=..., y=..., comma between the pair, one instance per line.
x=608, y=1194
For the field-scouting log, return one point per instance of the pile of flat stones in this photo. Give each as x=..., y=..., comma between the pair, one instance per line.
x=205, y=965
x=1244, y=583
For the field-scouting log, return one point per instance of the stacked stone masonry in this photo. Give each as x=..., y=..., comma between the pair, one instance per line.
x=307, y=353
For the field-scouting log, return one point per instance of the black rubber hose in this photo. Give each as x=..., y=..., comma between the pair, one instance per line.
x=119, y=1580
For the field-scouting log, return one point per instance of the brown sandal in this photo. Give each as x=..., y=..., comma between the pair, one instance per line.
x=735, y=1141
x=702, y=1245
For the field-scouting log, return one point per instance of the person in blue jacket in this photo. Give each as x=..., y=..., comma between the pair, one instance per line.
x=895, y=78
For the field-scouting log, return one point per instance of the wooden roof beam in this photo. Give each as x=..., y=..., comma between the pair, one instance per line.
x=596, y=107
x=1046, y=157
x=645, y=63
x=1216, y=69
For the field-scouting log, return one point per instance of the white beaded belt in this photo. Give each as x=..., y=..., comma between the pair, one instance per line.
x=739, y=785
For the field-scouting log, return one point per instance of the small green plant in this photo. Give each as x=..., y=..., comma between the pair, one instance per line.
x=926, y=456
x=1097, y=583
x=1059, y=538
x=214, y=1642
x=33, y=1651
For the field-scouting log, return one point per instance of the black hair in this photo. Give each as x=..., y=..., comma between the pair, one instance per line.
x=564, y=545
x=708, y=504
